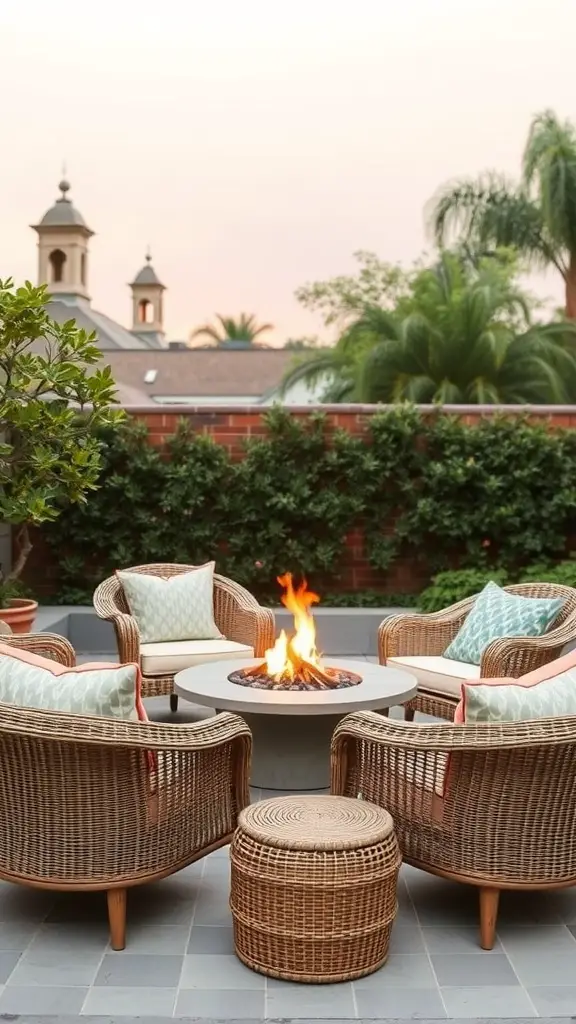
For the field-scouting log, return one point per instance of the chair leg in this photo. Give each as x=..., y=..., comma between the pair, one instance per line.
x=117, y=917
x=173, y=702
x=489, y=899
x=409, y=713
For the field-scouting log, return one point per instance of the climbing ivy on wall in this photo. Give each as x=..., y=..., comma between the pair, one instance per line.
x=501, y=493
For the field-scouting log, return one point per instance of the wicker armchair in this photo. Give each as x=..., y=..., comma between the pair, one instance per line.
x=415, y=637
x=237, y=614
x=499, y=814
x=83, y=806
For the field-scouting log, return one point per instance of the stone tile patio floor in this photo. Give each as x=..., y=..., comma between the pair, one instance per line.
x=179, y=961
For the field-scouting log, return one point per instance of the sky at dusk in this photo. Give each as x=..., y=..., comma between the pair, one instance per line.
x=256, y=144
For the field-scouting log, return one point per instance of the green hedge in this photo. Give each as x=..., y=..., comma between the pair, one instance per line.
x=499, y=495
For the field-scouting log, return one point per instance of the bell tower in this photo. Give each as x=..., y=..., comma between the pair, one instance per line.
x=147, y=302
x=63, y=237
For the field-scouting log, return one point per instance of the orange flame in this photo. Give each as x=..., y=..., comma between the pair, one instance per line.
x=283, y=660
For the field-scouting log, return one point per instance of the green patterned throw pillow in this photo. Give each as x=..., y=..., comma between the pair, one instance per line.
x=551, y=698
x=177, y=608
x=111, y=691
x=495, y=614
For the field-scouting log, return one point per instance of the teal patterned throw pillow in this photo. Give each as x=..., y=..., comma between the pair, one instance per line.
x=496, y=614
x=177, y=608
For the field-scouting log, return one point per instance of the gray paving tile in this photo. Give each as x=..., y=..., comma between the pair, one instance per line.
x=221, y=1004
x=286, y=999
x=66, y=938
x=217, y=871
x=213, y=908
x=67, y=972
x=519, y=939
x=549, y=1001
x=213, y=971
x=566, y=906
x=455, y=938
x=464, y=969
x=159, y=912
x=211, y=940
x=25, y=906
x=399, y=1003
x=133, y=1002
x=488, y=1001
x=528, y=908
x=136, y=970
x=42, y=1001
x=222, y=851
x=154, y=939
x=78, y=907
x=544, y=967
x=400, y=971
x=8, y=961
x=406, y=938
x=14, y=935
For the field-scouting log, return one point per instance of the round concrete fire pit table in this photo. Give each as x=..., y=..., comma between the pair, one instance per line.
x=292, y=729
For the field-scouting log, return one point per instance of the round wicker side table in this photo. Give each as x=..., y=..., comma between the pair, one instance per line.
x=313, y=892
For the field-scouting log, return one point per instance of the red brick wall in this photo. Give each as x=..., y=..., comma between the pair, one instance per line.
x=231, y=425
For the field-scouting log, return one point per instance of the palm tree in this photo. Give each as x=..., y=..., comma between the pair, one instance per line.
x=232, y=332
x=469, y=340
x=536, y=216
x=334, y=370
x=464, y=335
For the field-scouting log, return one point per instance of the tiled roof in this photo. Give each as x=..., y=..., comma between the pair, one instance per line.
x=201, y=372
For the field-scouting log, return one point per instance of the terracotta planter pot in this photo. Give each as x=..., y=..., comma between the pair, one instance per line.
x=20, y=614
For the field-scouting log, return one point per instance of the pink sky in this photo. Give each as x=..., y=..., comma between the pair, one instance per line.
x=256, y=144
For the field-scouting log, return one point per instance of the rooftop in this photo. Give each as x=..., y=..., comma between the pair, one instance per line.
x=111, y=335
x=200, y=372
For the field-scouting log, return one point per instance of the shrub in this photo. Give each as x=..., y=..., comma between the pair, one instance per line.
x=563, y=573
x=493, y=498
x=449, y=587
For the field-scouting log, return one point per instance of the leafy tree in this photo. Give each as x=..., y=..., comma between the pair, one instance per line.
x=536, y=216
x=231, y=332
x=341, y=298
x=49, y=406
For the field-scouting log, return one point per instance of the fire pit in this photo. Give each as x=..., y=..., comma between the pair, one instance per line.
x=294, y=663
x=291, y=701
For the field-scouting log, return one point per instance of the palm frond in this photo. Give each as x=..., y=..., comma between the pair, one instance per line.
x=491, y=213
x=549, y=167
x=314, y=367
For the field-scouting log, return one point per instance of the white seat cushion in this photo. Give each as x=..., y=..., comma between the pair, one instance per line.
x=439, y=675
x=173, y=656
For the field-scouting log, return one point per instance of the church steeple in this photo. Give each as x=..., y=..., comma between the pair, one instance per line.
x=63, y=247
x=147, y=301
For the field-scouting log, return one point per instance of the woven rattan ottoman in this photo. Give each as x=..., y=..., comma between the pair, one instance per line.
x=313, y=892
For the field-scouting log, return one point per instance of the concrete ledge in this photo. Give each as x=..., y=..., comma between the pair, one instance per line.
x=345, y=631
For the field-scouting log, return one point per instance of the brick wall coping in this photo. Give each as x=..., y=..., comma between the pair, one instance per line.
x=251, y=410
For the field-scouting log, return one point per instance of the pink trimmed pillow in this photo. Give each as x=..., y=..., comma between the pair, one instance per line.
x=555, y=683
x=97, y=688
